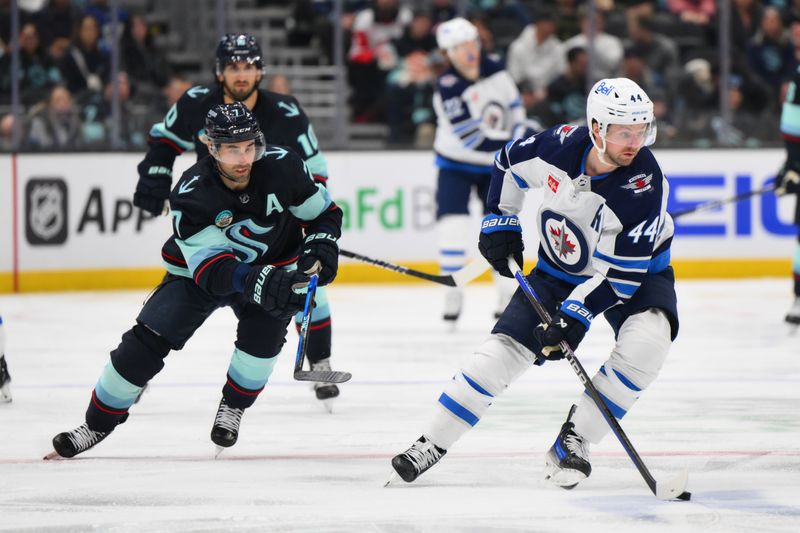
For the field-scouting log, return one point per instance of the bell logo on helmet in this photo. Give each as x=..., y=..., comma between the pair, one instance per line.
x=602, y=88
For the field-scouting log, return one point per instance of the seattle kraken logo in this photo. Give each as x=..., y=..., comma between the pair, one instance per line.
x=564, y=242
x=239, y=236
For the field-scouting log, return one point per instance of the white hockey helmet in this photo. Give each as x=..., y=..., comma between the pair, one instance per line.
x=619, y=101
x=454, y=32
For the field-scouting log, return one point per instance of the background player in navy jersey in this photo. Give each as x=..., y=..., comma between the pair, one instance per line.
x=788, y=180
x=239, y=70
x=252, y=226
x=478, y=110
x=605, y=248
x=5, y=377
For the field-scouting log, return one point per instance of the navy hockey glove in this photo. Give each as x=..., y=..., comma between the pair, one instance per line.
x=152, y=192
x=275, y=290
x=570, y=324
x=320, y=254
x=501, y=236
x=788, y=179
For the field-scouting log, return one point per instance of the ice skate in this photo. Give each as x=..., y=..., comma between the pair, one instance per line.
x=325, y=392
x=416, y=460
x=71, y=443
x=5, y=381
x=453, y=300
x=793, y=316
x=567, y=461
x=225, y=431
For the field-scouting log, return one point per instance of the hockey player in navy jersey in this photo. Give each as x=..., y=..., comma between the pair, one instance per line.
x=239, y=70
x=788, y=180
x=605, y=249
x=478, y=110
x=249, y=227
x=5, y=377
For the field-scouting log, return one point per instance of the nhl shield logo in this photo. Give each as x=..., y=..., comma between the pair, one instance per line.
x=46, y=211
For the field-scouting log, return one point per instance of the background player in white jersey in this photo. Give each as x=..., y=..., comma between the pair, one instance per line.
x=605, y=246
x=788, y=180
x=478, y=109
x=5, y=377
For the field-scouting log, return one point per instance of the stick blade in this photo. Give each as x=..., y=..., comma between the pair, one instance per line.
x=675, y=489
x=471, y=271
x=322, y=376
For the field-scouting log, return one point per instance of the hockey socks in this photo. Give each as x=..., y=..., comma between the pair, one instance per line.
x=247, y=376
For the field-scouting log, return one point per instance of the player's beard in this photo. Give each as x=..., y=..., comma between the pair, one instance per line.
x=620, y=160
x=240, y=94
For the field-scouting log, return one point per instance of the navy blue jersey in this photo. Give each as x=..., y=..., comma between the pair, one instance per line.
x=603, y=233
x=216, y=229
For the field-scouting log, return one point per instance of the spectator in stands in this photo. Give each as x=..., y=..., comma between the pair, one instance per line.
x=770, y=54
x=409, y=92
x=370, y=58
x=56, y=124
x=608, y=49
x=569, y=19
x=57, y=23
x=441, y=11
x=698, y=12
x=635, y=68
x=37, y=74
x=173, y=90
x=485, y=35
x=535, y=57
x=97, y=117
x=7, y=133
x=145, y=64
x=101, y=11
x=85, y=67
x=659, y=51
x=566, y=95
x=278, y=83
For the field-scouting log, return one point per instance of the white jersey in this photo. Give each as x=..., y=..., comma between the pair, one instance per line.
x=475, y=119
x=601, y=233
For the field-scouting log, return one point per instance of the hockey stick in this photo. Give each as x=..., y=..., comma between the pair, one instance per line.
x=791, y=176
x=325, y=376
x=674, y=489
x=456, y=279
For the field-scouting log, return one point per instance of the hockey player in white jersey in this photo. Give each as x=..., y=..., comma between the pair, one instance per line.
x=478, y=110
x=605, y=249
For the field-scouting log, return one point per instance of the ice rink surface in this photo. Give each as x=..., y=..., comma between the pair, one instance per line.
x=725, y=406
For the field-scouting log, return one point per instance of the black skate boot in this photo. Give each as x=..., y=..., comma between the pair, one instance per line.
x=5, y=380
x=793, y=316
x=324, y=391
x=226, y=425
x=567, y=461
x=71, y=443
x=416, y=460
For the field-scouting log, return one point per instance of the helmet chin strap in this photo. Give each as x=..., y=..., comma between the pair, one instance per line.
x=601, y=152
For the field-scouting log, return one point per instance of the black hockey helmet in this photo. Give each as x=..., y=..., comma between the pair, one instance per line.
x=235, y=47
x=233, y=123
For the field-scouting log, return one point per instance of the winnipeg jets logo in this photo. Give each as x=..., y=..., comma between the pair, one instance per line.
x=639, y=183
x=565, y=131
x=561, y=243
x=564, y=242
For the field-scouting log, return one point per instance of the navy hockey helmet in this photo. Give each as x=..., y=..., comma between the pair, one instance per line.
x=235, y=47
x=232, y=123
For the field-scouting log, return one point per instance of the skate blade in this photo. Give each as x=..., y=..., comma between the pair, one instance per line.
x=5, y=394
x=328, y=404
x=218, y=450
x=392, y=480
x=52, y=456
x=566, y=478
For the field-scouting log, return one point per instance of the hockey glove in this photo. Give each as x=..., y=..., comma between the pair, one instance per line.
x=562, y=328
x=501, y=236
x=275, y=290
x=152, y=192
x=321, y=255
x=788, y=179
